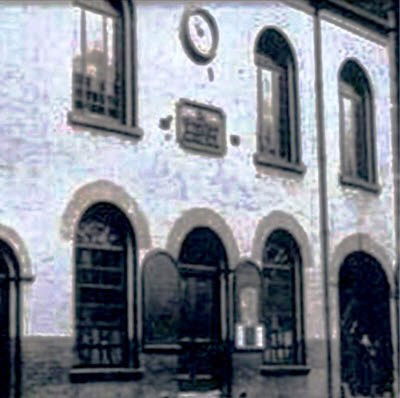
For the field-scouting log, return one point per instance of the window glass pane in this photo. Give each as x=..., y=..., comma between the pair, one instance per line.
x=269, y=95
x=110, y=40
x=361, y=142
x=97, y=66
x=76, y=38
x=284, y=129
x=349, y=142
x=94, y=31
x=279, y=338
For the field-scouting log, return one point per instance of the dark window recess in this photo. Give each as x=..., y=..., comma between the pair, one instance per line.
x=161, y=300
x=101, y=288
x=356, y=125
x=277, y=100
x=365, y=337
x=98, y=86
x=282, y=300
x=5, y=346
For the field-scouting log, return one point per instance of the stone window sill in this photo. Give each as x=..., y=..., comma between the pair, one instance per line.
x=83, y=375
x=284, y=370
x=270, y=161
x=92, y=122
x=162, y=348
x=358, y=183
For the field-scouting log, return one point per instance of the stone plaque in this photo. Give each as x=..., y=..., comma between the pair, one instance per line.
x=201, y=127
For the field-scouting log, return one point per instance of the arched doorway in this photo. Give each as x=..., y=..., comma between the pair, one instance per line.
x=366, y=345
x=202, y=265
x=9, y=323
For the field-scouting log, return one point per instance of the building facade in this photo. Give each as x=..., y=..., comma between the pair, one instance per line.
x=199, y=198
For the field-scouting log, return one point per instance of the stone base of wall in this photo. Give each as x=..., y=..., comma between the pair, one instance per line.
x=47, y=361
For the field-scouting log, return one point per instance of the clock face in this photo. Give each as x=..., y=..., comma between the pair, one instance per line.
x=199, y=35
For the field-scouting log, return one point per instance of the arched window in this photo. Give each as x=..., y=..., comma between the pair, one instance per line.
x=278, y=141
x=104, y=286
x=365, y=330
x=356, y=125
x=103, y=81
x=282, y=300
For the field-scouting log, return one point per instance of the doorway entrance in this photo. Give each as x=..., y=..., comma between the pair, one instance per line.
x=366, y=345
x=202, y=364
x=9, y=327
x=4, y=329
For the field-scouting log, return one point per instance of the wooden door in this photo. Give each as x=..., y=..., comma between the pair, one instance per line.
x=200, y=334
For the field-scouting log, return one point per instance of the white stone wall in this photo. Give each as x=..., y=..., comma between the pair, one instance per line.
x=353, y=210
x=43, y=161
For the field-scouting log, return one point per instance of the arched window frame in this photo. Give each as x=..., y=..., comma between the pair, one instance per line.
x=299, y=358
x=128, y=366
x=125, y=122
x=278, y=62
x=357, y=128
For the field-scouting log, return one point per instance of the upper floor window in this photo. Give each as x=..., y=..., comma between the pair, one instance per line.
x=282, y=300
x=102, y=63
x=356, y=126
x=278, y=141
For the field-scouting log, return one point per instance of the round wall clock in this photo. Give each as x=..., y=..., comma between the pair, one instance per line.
x=199, y=35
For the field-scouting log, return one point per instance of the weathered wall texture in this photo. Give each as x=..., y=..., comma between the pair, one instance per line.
x=44, y=162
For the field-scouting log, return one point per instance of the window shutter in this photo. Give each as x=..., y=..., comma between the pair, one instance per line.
x=161, y=300
x=247, y=276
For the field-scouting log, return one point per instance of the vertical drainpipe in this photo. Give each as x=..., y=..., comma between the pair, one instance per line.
x=394, y=44
x=323, y=197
